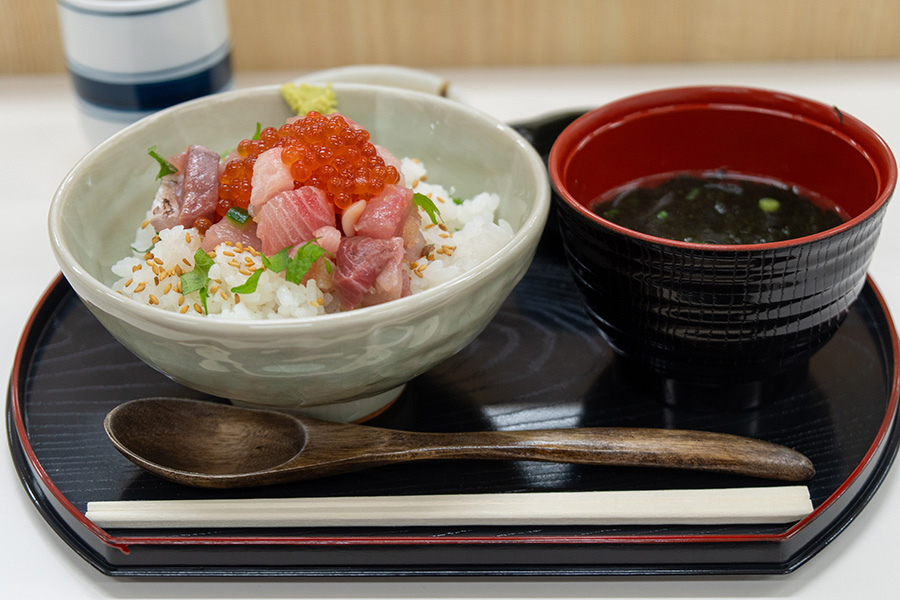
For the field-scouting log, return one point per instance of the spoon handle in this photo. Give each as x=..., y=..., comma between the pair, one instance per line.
x=669, y=448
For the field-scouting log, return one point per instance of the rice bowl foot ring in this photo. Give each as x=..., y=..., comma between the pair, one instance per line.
x=354, y=411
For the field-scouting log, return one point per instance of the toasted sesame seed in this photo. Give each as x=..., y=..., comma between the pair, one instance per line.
x=180, y=299
x=223, y=295
x=155, y=239
x=153, y=299
x=158, y=260
x=156, y=281
x=419, y=273
x=237, y=299
x=198, y=308
x=413, y=265
x=234, y=263
x=214, y=288
x=184, y=309
x=129, y=282
x=145, y=223
x=167, y=289
x=136, y=268
x=243, y=271
x=227, y=252
x=178, y=270
x=239, y=247
x=178, y=286
x=148, y=256
x=249, y=261
x=140, y=287
x=187, y=237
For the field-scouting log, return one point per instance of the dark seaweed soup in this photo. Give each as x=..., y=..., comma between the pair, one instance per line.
x=716, y=209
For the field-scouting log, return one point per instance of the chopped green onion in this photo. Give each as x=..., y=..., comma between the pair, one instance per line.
x=662, y=215
x=769, y=205
x=238, y=215
x=165, y=167
x=258, y=131
x=425, y=203
x=457, y=201
x=691, y=195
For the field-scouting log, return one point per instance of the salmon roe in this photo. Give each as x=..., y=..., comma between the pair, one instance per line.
x=323, y=151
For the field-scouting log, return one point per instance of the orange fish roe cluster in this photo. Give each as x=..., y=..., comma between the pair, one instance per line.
x=323, y=151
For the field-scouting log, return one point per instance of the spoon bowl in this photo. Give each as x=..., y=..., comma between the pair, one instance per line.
x=206, y=444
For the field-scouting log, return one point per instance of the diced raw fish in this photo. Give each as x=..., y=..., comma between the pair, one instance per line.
x=166, y=208
x=178, y=160
x=227, y=230
x=328, y=237
x=291, y=217
x=360, y=262
x=391, y=283
x=200, y=188
x=270, y=177
x=386, y=214
x=393, y=213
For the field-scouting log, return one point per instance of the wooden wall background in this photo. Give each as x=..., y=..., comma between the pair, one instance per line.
x=313, y=34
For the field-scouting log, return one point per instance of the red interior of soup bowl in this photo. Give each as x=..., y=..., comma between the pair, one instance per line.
x=748, y=131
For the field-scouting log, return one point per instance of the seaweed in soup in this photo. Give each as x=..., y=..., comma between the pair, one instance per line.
x=719, y=208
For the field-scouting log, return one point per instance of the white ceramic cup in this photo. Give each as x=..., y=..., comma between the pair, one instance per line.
x=128, y=59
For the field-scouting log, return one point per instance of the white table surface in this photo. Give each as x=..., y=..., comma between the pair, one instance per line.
x=41, y=137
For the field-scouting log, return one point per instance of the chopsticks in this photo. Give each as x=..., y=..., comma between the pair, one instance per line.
x=779, y=504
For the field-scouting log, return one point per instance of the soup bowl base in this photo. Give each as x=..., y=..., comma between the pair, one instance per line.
x=715, y=395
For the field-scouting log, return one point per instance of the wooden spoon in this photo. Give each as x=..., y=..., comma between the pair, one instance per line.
x=221, y=446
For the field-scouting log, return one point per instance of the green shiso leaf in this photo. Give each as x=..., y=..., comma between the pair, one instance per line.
x=197, y=278
x=279, y=261
x=425, y=203
x=165, y=167
x=297, y=267
x=249, y=286
x=303, y=261
x=204, y=294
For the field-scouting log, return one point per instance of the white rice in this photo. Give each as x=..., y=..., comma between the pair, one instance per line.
x=468, y=233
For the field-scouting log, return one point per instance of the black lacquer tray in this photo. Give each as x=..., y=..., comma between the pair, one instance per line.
x=540, y=363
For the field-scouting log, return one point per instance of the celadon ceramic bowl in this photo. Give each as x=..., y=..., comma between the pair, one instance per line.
x=342, y=366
